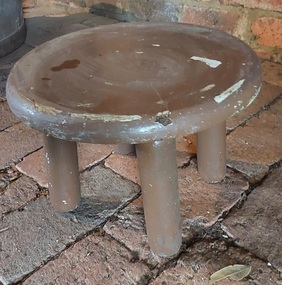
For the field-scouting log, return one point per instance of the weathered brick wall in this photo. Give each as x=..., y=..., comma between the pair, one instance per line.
x=257, y=22
x=35, y=8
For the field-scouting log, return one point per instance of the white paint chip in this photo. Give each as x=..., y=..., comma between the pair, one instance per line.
x=109, y=83
x=207, y=88
x=156, y=45
x=254, y=96
x=106, y=117
x=213, y=63
x=225, y=94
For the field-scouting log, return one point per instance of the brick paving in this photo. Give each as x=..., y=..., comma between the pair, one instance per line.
x=104, y=240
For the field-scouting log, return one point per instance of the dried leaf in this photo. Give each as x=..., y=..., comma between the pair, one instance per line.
x=236, y=272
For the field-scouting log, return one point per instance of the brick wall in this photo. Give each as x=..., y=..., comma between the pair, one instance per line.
x=257, y=22
x=53, y=8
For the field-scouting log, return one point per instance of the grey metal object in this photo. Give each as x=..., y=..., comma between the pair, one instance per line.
x=12, y=26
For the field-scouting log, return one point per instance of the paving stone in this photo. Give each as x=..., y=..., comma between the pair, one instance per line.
x=128, y=227
x=267, y=94
x=42, y=29
x=272, y=73
x=4, y=73
x=196, y=265
x=201, y=206
x=126, y=165
x=37, y=233
x=95, y=21
x=33, y=165
x=7, y=118
x=7, y=62
x=36, y=36
x=94, y=260
x=252, y=148
x=17, y=142
x=3, y=91
x=257, y=225
x=17, y=194
x=202, y=203
x=110, y=10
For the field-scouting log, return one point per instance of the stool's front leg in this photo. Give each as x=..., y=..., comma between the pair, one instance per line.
x=159, y=184
x=211, y=153
x=63, y=176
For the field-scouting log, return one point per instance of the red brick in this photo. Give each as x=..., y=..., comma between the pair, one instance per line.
x=267, y=94
x=29, y=3
x=201, y=206
x=93, y=260
x=268, y=31
x=88, y=154
x=200, y=260
x=126, y=165
x=272, y=73
x=17, y=142
x=257, y=225
x=18, y=194
x=223, y=20
x=7, y=118
x=257, y=145
x=37, y=233
x=272, y=5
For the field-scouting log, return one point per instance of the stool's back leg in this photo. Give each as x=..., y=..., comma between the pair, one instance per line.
x=124, y=148
x=63, y=176
x=159, y=183
x=211, y=153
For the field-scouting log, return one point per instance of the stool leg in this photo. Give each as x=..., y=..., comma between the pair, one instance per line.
x=124, y=148
x=63, y=176
x=159, y=184
x=211, y=153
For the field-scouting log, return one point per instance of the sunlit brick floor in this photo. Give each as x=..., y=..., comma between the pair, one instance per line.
x=237, y=221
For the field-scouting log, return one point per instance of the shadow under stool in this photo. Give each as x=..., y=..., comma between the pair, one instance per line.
x=142, y=84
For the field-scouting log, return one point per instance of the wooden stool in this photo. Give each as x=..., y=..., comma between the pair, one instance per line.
x=135, y=83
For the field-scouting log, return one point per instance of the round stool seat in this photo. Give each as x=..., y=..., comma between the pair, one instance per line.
x=133, y=82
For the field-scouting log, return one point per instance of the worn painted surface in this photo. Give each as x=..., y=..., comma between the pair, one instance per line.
x=132, y=84
x=210, y=62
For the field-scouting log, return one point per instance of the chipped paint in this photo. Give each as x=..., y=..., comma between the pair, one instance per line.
x=109, y=83
x=46, y=109
x=85, y=105
x=106, y=117
x=164, y=113
x=156, y=45
x=224, y=95
x=208, y=87
x=254, y=96
x=163, y=118
x=139, y=52
x=213, y=63
x=47, y=157
x=87, y=116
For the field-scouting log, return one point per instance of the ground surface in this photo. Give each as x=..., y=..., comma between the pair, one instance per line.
x=103, y=241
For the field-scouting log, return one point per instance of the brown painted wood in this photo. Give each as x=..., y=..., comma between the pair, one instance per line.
x=136, y=83
x=133, y=82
